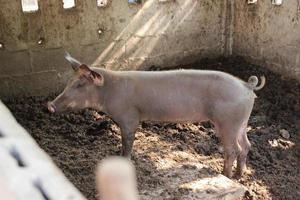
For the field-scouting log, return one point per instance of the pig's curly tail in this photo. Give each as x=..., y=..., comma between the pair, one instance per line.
x=253, y=81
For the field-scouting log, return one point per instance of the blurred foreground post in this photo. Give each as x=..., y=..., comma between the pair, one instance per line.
x=5, y=194
x=116, y=179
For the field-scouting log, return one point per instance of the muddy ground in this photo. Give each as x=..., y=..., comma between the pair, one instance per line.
x=77, y=141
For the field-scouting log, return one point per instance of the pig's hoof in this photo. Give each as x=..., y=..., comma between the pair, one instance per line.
x=227, y=174
x=51, y=107
x=128, y=156
x=238, y=175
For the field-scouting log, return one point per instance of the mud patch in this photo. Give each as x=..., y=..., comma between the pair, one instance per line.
x=168, y=154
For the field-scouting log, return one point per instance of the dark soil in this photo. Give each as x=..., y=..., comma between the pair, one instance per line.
x=78, y=141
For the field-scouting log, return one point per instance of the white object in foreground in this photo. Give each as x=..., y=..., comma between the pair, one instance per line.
x=116, y=179
x=26, y=170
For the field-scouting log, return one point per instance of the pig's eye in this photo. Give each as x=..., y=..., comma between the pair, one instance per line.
x=79, y=85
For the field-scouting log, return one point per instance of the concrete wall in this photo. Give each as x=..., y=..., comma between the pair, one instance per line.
x=132, y=37
x=269, y=35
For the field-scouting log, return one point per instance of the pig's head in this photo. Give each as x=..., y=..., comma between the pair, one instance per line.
x=82, y=91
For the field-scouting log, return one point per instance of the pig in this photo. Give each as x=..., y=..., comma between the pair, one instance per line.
x=130, y=97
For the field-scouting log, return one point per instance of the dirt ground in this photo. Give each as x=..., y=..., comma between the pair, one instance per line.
x=78, y=141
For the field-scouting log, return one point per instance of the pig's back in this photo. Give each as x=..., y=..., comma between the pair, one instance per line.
x=182, y=95
x=188, y=81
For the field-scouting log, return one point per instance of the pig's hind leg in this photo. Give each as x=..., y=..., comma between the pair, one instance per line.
x=241, y=160
x=228, y=135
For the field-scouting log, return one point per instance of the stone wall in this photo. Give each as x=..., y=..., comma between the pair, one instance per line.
x=123, y=36
x=269, y=35
x=118, y=36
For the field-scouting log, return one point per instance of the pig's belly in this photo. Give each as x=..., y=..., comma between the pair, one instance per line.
x=174, y=113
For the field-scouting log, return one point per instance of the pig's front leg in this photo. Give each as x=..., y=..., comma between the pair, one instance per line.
x=128, y=135
x=128, y=124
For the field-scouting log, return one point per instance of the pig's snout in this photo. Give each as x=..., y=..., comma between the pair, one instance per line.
x=51, y=107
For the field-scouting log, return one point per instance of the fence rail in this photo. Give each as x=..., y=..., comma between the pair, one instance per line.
x=26, y=171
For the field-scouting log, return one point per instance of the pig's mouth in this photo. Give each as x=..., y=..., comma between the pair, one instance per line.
x=51, y=107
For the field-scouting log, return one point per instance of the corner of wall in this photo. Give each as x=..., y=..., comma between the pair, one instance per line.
x=228, y=23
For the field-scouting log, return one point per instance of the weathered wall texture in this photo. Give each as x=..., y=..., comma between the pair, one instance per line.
x=133, y=37
x=269, y=35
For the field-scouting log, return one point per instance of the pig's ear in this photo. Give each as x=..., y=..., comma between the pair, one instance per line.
x=84, y=70
x=74, y=63
x=95, y=77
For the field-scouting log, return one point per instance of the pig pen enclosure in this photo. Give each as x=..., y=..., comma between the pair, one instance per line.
x=238, y=37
